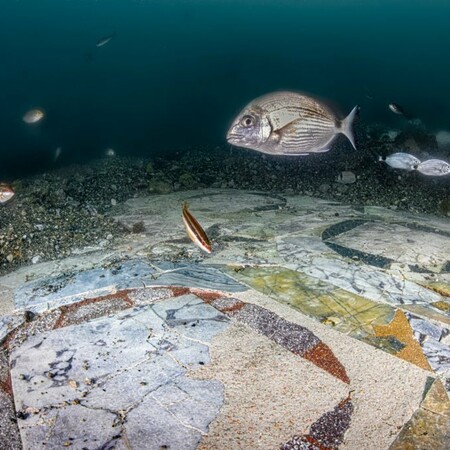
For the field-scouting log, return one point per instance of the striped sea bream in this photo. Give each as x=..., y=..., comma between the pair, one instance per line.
x=195, y=230
x=287, y=123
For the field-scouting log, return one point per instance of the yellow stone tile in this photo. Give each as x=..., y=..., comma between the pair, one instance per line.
x=441, y=288
x=442, y=305
x=401, y=329
x=436, y=400
x=349, y=313
x=429, y=428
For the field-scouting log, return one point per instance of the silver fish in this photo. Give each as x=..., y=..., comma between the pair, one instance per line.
x=33, y=115
x=57, y=154
x=6, y=193
x=434, y=167
x=287, y=123
x=401, y=160
x=103, y=41
x=110, y=152
x=397, y=109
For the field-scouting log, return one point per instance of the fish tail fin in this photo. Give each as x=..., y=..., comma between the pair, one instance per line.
x=346, y=125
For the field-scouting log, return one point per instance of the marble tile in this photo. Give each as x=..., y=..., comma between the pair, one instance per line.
x=438, y=355
x=192, y=275
x=400, y=329
x=114, y=366
x=429, y=251
x=429, y=428
x=340, y=309
x=9, y=323
x=48, y=293
x=365, y=281
x=353, y=315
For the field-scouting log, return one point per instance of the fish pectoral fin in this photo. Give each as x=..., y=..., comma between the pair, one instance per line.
x=291, y=128
x=295, y=137
x=285, y=134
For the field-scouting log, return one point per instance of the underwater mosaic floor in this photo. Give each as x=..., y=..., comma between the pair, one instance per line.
x=312, y=325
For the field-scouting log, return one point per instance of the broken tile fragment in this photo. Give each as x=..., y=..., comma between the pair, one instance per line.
x=429, y=427
x=400, y=329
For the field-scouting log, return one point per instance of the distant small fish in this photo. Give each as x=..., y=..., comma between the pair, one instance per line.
x=33, y=115
x=397, y=109
x=400, y=160
x=6, y=193
x=57, y=153
x=287, y=123
x=195, y=231
x=346, y=177
x=103, y=41
x=110, y=152
x=434, y=167
x=443, y=138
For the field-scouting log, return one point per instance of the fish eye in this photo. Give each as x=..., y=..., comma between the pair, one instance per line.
x=248, y=121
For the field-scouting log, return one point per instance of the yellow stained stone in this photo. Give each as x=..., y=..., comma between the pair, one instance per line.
x=441, y=288
x=401, y=329
x=429, y=428
x=347, y=312
x=443, y=306
x=437, y=400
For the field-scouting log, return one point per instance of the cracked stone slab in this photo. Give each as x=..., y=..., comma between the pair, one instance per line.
x=9, y=323
x=369, y=282
x=404, y=245
x=194, y=275
x=115, y=367
x=47, y=293
x=52, y=292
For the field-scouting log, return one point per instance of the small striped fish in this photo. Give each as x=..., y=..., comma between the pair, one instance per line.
x=195, y=230
x=287, y=123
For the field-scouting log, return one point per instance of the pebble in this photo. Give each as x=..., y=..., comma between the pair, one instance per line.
x=10, y=258
x=346, y=177
x=113, y=202
x=35, y=259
